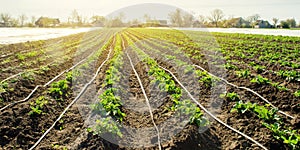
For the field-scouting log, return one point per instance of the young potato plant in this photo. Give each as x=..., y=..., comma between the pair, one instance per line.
x=106, y=125
x=261, y=111
x=260, y=80
x=3, y=87
x=111, y=103
x=37, y=106
x=288, y=136
x=186, y=107
x=60, y=89
x=297, y=93
x=108, y=100
x=289, y=75
x=43, y=69
x=206, y=79
x=259, y=68
x=20, y=56
x=232, y=96
x=272, y=121
x=279, y=87
x=28, y=75
x=167, y=84
x=230, y=66
x=243, y=73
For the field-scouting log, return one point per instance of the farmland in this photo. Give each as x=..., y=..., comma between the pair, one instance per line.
x=151, y=89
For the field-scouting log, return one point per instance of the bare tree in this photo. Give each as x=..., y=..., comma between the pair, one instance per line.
x=146, y=17
x=116, y=21
x=5, y=18
x=176, y=18
x=98, y=20
x=216, y=16
x=33, y=19
x=187, y=20
x=252, y=19
x=275, y=21
x=14, y=22
x=201, y=19
x=22, y=19
x=75, y=17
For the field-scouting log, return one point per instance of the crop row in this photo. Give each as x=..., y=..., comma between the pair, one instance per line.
x=289, y=137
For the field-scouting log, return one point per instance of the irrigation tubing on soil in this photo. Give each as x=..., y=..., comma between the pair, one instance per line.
x=69, y=106
x=52, y=80
x=245, y=88
x=12, y=76
x=24, y=51
x=210, y=114
x=147, y=100
x=15, y=75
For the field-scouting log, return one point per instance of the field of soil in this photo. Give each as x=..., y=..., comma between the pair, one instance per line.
x=151, y=89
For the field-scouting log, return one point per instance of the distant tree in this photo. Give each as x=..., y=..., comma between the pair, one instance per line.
x=284, y=24
x=291, y=22
x=22, y=19
x=176, y=18
x=187, y=20
x=75, y=18
x=98, y=20
x=14, y=22
x=216, y=16
x=202, y=19
x=252, y=19
x=134, y=22
x=147, y=17
x=116, y=21
x=5, y=18
x=275, y=21
x=121, y=16
x=85, y=20
x=32, y=20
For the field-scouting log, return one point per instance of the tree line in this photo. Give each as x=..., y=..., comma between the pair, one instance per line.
x=177, y=18
x=217, y=18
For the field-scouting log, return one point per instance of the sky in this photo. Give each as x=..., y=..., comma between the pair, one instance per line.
x=267, y=9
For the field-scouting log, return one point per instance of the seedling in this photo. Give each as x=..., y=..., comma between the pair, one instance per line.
x=37, y=106
x=288, y=136
x=28, y=75
x=260, y=80
x=3, y=87
x=297, y=93
x=20, y=56
x=261, y=111
x=279, y=87
x=106, y=125
x=259, y=68
x=243, y=73
x=289, y=75
x=59, y=90
x=230, y=66
x=44, y=69
x=272, y=121
x=111, y=104
x=231, y=96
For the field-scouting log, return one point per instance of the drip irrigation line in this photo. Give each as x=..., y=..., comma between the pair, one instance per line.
x=147, y=100
x=247, y=89
x=69, y=106
x=210, y=114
